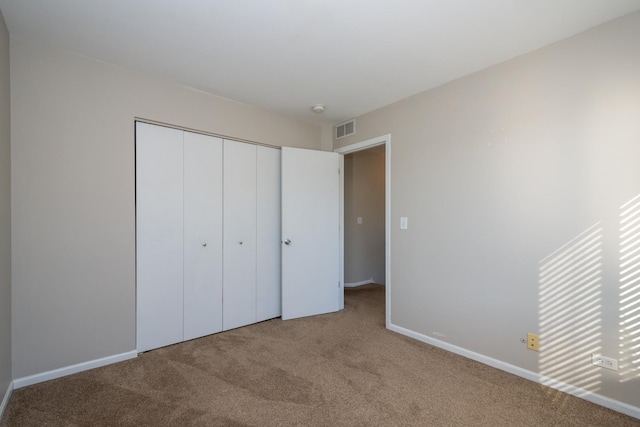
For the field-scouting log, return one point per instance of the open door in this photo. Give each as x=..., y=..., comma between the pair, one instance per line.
x=310, y=232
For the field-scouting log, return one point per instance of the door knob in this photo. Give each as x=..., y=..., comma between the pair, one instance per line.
x=287, y=242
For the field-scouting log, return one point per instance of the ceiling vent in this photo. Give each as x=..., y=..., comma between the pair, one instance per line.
x=346, y=129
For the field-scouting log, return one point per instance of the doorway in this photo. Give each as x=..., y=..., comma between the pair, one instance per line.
x=361, y=226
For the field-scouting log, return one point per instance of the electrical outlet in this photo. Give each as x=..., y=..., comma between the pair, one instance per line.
x=604, y=362
x=533, y=342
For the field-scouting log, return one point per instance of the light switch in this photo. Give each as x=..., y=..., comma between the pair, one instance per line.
x=359, y=220
x=404, y=223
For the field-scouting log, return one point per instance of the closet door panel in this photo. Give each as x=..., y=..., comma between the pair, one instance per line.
x=202, y=235
x=159, y=238
x=239, y=271
x=268, y=234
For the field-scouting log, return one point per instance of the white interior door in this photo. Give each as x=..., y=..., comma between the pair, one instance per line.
x=159, y=236
x=239, y=246
x=310, y=232
x=268, y=235
x=202, y=235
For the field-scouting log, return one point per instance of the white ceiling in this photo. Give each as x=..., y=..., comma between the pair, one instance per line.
x=353, y=56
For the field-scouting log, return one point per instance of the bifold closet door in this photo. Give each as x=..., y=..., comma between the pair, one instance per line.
x=268, y=234
x=202, y=235
x=159, y=236
x=239, y=242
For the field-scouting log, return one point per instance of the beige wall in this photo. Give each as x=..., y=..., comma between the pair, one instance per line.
x=499, y=170
x=5, y=213
x=364, y=195
x=73, y=195
x=326, y=138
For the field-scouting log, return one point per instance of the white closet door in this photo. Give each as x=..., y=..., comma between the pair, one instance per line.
x=159, y=245
x=268, y=232
x=239, y=271
x=202, y=235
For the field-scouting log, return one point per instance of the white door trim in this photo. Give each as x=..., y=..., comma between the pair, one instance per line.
x=363, y=145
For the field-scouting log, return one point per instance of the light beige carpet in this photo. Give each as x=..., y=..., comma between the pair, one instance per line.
x=340, y=369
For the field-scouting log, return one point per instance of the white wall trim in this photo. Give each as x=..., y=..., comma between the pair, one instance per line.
x=363, y=145
x=5, y=400
x=73, y=369
x=341, y=236
x=596, y=398
x=369, y=143
x=360, y=283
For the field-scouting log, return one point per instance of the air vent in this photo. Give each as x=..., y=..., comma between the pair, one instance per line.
x=346, y=129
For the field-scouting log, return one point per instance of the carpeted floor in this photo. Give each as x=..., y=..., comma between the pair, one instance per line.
x=340, y=369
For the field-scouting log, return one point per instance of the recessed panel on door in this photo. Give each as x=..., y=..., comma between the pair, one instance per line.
x=268, y=235
x=159, y=236
x=202, y=235
x=239, y=243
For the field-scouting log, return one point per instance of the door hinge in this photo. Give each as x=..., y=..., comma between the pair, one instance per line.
x=338, y=283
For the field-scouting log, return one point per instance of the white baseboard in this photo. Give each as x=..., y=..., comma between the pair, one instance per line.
x=353, y=285
x=73, y=369
x=5, y=400
x=596, y=398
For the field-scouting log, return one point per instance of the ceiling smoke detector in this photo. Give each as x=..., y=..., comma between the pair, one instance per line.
x=318, y=108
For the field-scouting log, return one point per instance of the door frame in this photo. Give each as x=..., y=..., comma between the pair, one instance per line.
x=352, y=148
